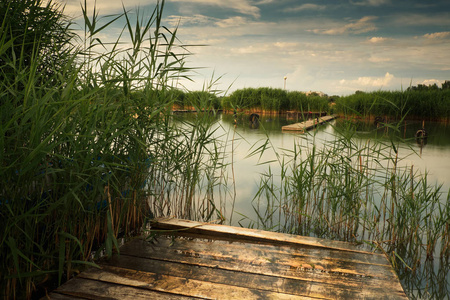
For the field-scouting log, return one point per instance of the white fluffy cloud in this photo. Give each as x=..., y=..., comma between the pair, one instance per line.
x=378, y=40
x=369, y=83
x=432, y=82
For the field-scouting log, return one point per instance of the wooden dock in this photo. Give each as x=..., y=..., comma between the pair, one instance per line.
x=180, y=111
x=192, y=260
x=307, y=125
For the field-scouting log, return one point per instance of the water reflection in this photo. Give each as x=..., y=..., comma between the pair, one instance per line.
x=438, y=134
x=433, y=154
x=429, y=281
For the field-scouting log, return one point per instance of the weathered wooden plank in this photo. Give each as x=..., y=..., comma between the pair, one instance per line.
x=180, y=286
x=358, y=288
x=253, y=255
x=82, y=287
x=307, y=125
x=251, y=263
x=243, y=234
x=202, y=242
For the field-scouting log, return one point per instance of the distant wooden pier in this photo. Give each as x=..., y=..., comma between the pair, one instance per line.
x=307, y=125
x=189, y=260
x=294, y=114
x=181, y=111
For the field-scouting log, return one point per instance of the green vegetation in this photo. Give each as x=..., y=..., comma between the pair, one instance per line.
x=274, y=100
x=195, y=100
x=421, y=104
x=88, y=147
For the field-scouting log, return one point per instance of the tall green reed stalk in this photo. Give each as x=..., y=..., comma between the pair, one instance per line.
x=88, y=142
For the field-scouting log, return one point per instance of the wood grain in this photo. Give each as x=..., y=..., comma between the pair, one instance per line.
x=189, y=260
x=307, y=125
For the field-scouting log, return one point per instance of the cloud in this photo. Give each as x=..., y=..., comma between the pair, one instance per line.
x=306, y=6
x=362, y=25
x=175, y=20
x=432, y=82
x=232, y=22
x=265, y=2
x=246, y=7
x=378, y=40
x=369, y=82
x=73, y=7
x=252, y=49
x=371, y=2
x=377, y=59
x=419, y=20
x=242, y=6
x=286, y=45
x=271, y=49
x=437, y=35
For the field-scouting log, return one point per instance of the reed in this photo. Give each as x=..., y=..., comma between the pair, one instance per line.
x=416, y=104
x=89, y=147
x=274, y=100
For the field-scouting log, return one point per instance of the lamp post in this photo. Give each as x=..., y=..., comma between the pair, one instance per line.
x=285, y=77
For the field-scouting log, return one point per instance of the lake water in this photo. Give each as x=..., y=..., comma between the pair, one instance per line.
x=243, y=142
x=433, y=157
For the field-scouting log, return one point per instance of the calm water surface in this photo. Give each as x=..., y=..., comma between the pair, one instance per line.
x=433, y=157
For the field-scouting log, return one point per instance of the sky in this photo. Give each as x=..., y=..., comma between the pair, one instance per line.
x=332, y=46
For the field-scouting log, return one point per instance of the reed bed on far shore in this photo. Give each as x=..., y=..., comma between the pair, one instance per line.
x=428, y=104
x=274, y=100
